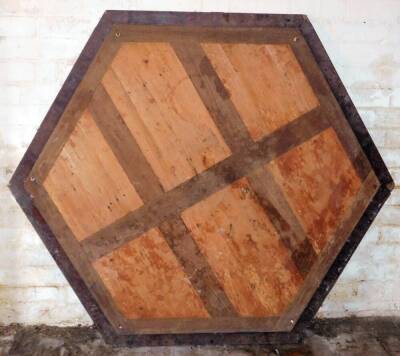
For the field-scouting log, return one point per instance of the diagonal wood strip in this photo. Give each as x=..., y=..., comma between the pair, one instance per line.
x=124, y=146
x=146, y=183
x=173, y=202
x=213, y=94
x=217, y=100
x=282, y=217
x=196, y=266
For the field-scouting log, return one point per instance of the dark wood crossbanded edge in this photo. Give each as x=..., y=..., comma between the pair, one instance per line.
x=173, y=202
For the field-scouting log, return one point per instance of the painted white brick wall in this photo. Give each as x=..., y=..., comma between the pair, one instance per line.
x=39, y=42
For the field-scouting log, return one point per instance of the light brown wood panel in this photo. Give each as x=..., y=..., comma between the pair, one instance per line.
x=319, y=183
x=146, y=280
x=162, y=109
x=244, y=250
x=265, y=82
x=87, y=184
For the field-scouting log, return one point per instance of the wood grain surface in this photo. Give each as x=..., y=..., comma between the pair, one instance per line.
x=203, y=180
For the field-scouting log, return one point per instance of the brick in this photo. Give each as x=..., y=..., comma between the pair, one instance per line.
x=19, y=7
x=387, y=118
x=177, y=5
x=17, y=71
x=370, y=97
x=47, y=312
x=283, y=6
x=17, y=26
x=374, y=11
x=394, y=100
x=10, y=94
x=369, y=54
x=39, y=94
x=20, y=256
x=344, y=299
x=19, y=48
x=394, y=198
x=17, y=115
x=389, y=235
x=47, y=71
x=379, y=136
x=389, y=216
x=31, y=293
x=65, y=27
x=217, y=6
x=32, y=276
x=391, y=156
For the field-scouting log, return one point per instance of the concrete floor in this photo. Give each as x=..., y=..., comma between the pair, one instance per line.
x=347, y=337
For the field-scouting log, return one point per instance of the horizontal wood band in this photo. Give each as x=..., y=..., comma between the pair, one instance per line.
x=173, y=202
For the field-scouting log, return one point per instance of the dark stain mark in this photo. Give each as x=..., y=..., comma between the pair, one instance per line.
x=206, y=69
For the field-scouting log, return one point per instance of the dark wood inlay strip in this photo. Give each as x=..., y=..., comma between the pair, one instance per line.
x=282, y=217
x=213, y=93
x=173, y=202
x=196, y=267
x=124, y=146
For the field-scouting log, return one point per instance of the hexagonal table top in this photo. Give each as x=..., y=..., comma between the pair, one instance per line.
x=201, y=173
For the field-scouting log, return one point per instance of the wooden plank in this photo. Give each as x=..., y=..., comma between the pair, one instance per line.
x=71, y=246
x=86, y=182
x=204, y=184
x=200, y=275
x=232, y=42
x=331, y=108
x=245, y=251
x=282, y=217
x=319, y=183
x=146, y=182
x=213, y=94
x=171, y=125
x=75, y=108
x=325, y=259
x=124, y=146
x=278, y=94
x=146, y=280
